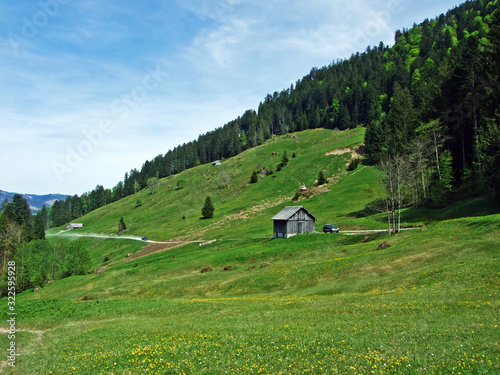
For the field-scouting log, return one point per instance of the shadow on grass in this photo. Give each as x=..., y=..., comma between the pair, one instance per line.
x=373, y=208
x=474, y=207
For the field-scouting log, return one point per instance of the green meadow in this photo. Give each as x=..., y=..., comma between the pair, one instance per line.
x=427, y=302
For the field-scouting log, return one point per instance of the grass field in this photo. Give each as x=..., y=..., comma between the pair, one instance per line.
x=312, y=304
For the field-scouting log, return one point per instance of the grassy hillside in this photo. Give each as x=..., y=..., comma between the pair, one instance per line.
x=246, y=303
x=247, y=207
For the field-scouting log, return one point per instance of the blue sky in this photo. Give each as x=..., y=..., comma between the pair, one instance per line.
x=91, y=89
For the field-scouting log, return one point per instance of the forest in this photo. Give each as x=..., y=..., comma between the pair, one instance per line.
x=430, y=105
x=22, y=240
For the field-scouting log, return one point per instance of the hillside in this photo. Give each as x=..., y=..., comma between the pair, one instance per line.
x=244, y=210
x=247, y=303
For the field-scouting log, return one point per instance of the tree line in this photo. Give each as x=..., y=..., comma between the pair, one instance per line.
x=22, y=240
x=433, y=95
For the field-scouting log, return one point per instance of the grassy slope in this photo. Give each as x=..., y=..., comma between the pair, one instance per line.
x=160, y=215
x=323, y=304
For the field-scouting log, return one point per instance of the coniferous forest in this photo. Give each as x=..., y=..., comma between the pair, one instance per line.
x=430, y=104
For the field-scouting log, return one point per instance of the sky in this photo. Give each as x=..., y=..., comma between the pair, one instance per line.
x=92, y=89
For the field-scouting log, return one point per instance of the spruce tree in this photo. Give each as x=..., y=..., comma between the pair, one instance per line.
x=39, y=228
x=401, y=120
x=321, y=178
x=284, y=159
x=208, y=209
x=121, y=225
x=254, y=178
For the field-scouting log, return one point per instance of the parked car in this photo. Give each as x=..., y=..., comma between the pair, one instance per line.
x=330, y=228
x=144, y=238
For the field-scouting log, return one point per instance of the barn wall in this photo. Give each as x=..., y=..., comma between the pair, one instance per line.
x=301, y=222
x=280, y=229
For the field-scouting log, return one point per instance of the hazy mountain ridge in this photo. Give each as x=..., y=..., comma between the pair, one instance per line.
x=36, y=202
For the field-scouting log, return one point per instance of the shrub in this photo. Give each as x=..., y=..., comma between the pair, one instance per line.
x=353, y=164
x=284, y=159
x=181, y=184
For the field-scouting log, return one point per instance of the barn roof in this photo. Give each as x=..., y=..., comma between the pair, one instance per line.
x=76, y=225
x=287, y=212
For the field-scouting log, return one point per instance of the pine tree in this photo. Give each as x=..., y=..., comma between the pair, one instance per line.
x=208, y=209
x=446, y=171
x=401, y=120
x=254, y=178
x=121, y=225
x=284, y=159
x=39, y=228
x=375, y=142
x=321, y=178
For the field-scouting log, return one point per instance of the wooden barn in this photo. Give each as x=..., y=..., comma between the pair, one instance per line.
x=293, y=220
x=74, y=226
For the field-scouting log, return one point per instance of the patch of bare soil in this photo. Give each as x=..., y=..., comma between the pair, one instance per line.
x=156, y=247
x=355, y=153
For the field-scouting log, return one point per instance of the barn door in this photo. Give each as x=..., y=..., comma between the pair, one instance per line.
x=300, y=227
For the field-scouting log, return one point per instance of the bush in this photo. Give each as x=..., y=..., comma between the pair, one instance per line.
x=181, y=184
x=353, y=164
x=284, y=159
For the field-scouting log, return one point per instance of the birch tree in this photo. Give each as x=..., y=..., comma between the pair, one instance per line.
x=398, y=173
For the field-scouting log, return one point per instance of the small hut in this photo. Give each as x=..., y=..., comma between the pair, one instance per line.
x=74, y=226
x=293, y=220
x=217, y=162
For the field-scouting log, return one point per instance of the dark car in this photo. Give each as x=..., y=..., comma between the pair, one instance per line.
x=330, y=228
x=144, y=238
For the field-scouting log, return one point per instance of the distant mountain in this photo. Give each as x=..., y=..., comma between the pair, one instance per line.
x=36, y=202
